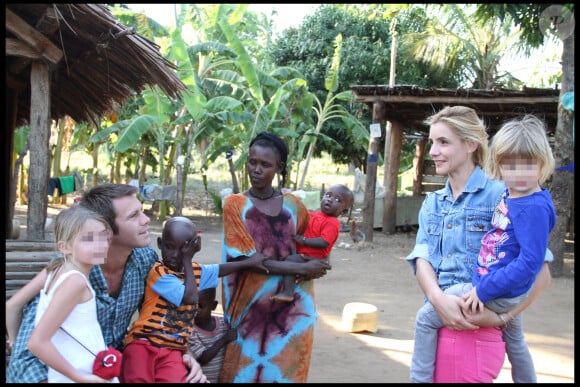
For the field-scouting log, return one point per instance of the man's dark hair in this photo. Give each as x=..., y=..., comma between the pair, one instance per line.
x=100, y=200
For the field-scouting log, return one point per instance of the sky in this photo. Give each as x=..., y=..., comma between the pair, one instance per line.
x=289, y=15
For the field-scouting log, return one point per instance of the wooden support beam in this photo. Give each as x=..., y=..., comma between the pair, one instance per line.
x=16, y=47
x=29, y=35
x=39, y=169
x=390, y=199
x=371, y=175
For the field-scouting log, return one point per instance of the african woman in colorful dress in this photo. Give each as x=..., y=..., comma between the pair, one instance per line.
x=274, y=342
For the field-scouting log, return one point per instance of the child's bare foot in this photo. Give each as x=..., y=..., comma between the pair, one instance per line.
x=283, y=297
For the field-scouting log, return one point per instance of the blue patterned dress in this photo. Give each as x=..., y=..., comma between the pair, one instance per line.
x=274, y=338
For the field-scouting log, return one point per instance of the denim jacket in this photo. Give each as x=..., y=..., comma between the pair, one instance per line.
x=450, y=231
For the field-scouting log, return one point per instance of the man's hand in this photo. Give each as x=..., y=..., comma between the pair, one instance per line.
x=195, y=373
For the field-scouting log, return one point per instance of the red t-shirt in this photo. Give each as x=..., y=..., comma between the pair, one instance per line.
x=323, y=226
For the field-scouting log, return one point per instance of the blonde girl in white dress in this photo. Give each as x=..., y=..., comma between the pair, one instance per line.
x=67, y=333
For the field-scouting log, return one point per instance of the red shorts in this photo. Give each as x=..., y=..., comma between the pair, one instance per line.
x=146, y=363
x=469, y=356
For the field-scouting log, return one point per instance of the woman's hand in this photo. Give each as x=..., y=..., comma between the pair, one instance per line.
x=485, y=317
x=447, y=306
x=313, y=269
x=450, y=310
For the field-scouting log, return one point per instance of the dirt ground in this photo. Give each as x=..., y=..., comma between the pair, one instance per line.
x=376, y=272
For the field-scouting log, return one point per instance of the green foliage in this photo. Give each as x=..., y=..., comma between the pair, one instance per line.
x=244, y=61
x=242, y=83
x=231, y=97
x=133, y=132
x=331, y=109
x=454, y=41
x=365, y=59
x=21, y=139
x=146, y=27
x=524, y=16
x=217, y=202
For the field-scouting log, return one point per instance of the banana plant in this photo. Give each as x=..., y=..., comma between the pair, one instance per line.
x=280, y=101
x=231, y=98
x=20, y=150
x=331, y=109
x=156, y=120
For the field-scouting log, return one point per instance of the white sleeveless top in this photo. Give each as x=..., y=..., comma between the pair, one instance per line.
x=82, y=324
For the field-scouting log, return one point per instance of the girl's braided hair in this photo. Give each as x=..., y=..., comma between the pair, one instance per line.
x=279, y=146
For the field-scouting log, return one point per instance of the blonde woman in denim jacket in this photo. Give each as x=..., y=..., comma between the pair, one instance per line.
x=452, y=222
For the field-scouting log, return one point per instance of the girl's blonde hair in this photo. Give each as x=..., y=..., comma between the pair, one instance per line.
x=68, y=224
x=466, y=125
x=523, y=137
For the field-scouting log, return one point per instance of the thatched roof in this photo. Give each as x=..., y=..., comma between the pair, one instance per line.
x=95, y=62
x=411, y=105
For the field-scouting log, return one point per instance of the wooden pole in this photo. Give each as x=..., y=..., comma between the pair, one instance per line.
x=371, y=175
x=390, y=199
x=39, y=169
x=418, y=166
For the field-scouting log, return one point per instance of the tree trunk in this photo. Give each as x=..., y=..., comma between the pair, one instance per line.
x=95, y=173
x=11, y=104
x=116, y=178
x=142, y=171
x=310, y=153
x=178, y=181
x=56, y=170
x=562, y=181
x=235, y=185
x=162, y=203
x=22, y=186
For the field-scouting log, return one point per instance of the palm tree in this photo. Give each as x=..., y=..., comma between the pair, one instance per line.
x=454, y=39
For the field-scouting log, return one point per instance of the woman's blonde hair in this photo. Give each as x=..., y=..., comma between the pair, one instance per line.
x=466, y=125
x=523, y=137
